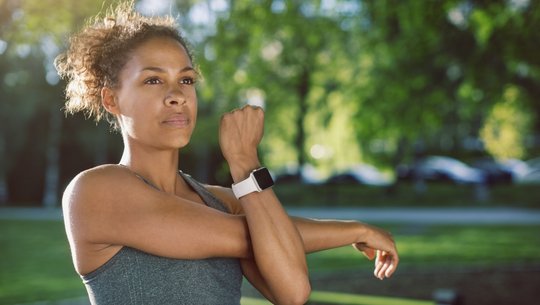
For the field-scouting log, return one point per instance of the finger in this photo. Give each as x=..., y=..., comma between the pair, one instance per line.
x=393, y=265
x=386, y=264
x=379, y=269
x=389, y=266
x=390, y=270
x=378, y=264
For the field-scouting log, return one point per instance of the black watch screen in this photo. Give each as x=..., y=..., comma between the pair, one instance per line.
x=263, y=177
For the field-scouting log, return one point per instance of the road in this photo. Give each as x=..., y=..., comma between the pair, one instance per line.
x=458, y=215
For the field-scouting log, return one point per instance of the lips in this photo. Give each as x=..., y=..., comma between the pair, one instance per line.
x=179, y=120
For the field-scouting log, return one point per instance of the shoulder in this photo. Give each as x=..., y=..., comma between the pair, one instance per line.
x=96, y=185
x=97, y=177
x=102, y=171
x=100, y=198
x=227, y=197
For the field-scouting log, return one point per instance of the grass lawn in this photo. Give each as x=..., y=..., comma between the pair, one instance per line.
x=424, y=245
x=338, y=298
x=35, y=263
x=484, y=265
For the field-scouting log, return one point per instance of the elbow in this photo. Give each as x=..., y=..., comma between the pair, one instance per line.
x=303, y=294
x=298, y=295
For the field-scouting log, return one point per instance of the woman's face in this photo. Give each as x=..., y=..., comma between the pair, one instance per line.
x=156, y=99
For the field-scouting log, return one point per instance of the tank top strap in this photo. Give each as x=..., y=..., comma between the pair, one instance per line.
x=210, y=199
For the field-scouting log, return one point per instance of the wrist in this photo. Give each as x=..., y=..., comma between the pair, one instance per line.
x=361, y=232
x=258, y=181
x=240, y=170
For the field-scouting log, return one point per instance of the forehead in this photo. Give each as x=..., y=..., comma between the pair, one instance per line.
x=161, y=52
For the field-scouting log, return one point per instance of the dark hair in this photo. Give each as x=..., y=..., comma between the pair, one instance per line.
x=96, y=55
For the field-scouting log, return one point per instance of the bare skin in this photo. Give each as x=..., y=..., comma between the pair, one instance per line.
x=108, y=207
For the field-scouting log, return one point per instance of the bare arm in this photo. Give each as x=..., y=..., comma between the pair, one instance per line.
x=275, y=236
x=277, y=247
x=373, y=242
x=318, y=235
x=328, y=234
x=109, y=206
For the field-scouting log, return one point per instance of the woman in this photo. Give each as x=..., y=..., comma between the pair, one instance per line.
x=140, y=231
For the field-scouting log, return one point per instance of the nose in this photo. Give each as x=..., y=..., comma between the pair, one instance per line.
x=175, y=97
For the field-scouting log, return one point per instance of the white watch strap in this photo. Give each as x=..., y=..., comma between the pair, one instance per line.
x=245, y=187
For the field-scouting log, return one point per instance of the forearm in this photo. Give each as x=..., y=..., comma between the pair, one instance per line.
x=317, y=235
x=278, y=249
x=277, y=246
x=320, y=235
x=373, y=242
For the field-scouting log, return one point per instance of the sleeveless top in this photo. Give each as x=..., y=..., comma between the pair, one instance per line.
x=137, y=278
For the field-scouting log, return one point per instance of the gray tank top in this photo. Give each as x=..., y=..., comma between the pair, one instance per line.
x=137, y=278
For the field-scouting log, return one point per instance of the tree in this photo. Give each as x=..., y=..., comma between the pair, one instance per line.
x=437, y=67
x=32, y=33
x=288, y=56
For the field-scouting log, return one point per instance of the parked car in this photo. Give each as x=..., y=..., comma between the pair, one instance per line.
x=441, y=168
x=495, y=172
x=529, y=171
x=360, y=174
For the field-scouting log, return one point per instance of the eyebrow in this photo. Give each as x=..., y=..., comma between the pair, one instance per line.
x=158, y=69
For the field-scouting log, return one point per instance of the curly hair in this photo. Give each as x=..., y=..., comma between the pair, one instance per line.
x=96, y=55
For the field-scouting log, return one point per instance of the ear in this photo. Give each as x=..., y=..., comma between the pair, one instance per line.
x=108, y=100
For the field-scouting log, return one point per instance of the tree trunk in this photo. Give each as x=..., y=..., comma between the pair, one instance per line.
x=52, y=166
x=300, y=140
x=397, y=160
x=4, y=194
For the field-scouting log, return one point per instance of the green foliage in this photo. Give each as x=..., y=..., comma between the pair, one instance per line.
x=293, y=60
x=34, y=33
x=19, y=106
x=35, y=263
x=342, y=83
x=507, y=126
x=441, y=65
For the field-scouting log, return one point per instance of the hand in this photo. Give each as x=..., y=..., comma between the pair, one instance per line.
x=381, y=246
x=240, y=133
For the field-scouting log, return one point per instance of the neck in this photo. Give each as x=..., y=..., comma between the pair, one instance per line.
x=159, y=167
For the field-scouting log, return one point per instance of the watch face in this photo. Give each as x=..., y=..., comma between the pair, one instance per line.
x=263, y=178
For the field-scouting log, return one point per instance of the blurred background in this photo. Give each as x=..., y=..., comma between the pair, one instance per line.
x=369, y=104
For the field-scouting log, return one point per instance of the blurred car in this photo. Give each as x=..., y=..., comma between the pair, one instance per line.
x=360, y=174
x=518, y=168
x=531, y=177
x=441, y=168
x=527, y=171
x=495, y=172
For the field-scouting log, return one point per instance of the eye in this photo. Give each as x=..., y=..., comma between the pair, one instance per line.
x=152, y=81
x=188, y=81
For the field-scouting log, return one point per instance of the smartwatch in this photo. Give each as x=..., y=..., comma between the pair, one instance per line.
x=257, y=181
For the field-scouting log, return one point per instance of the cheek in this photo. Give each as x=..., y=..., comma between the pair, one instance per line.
x=194, y=111
x=135, y=114
x=194, y=103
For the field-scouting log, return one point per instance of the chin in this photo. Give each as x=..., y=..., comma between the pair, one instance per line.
x=181, y=144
